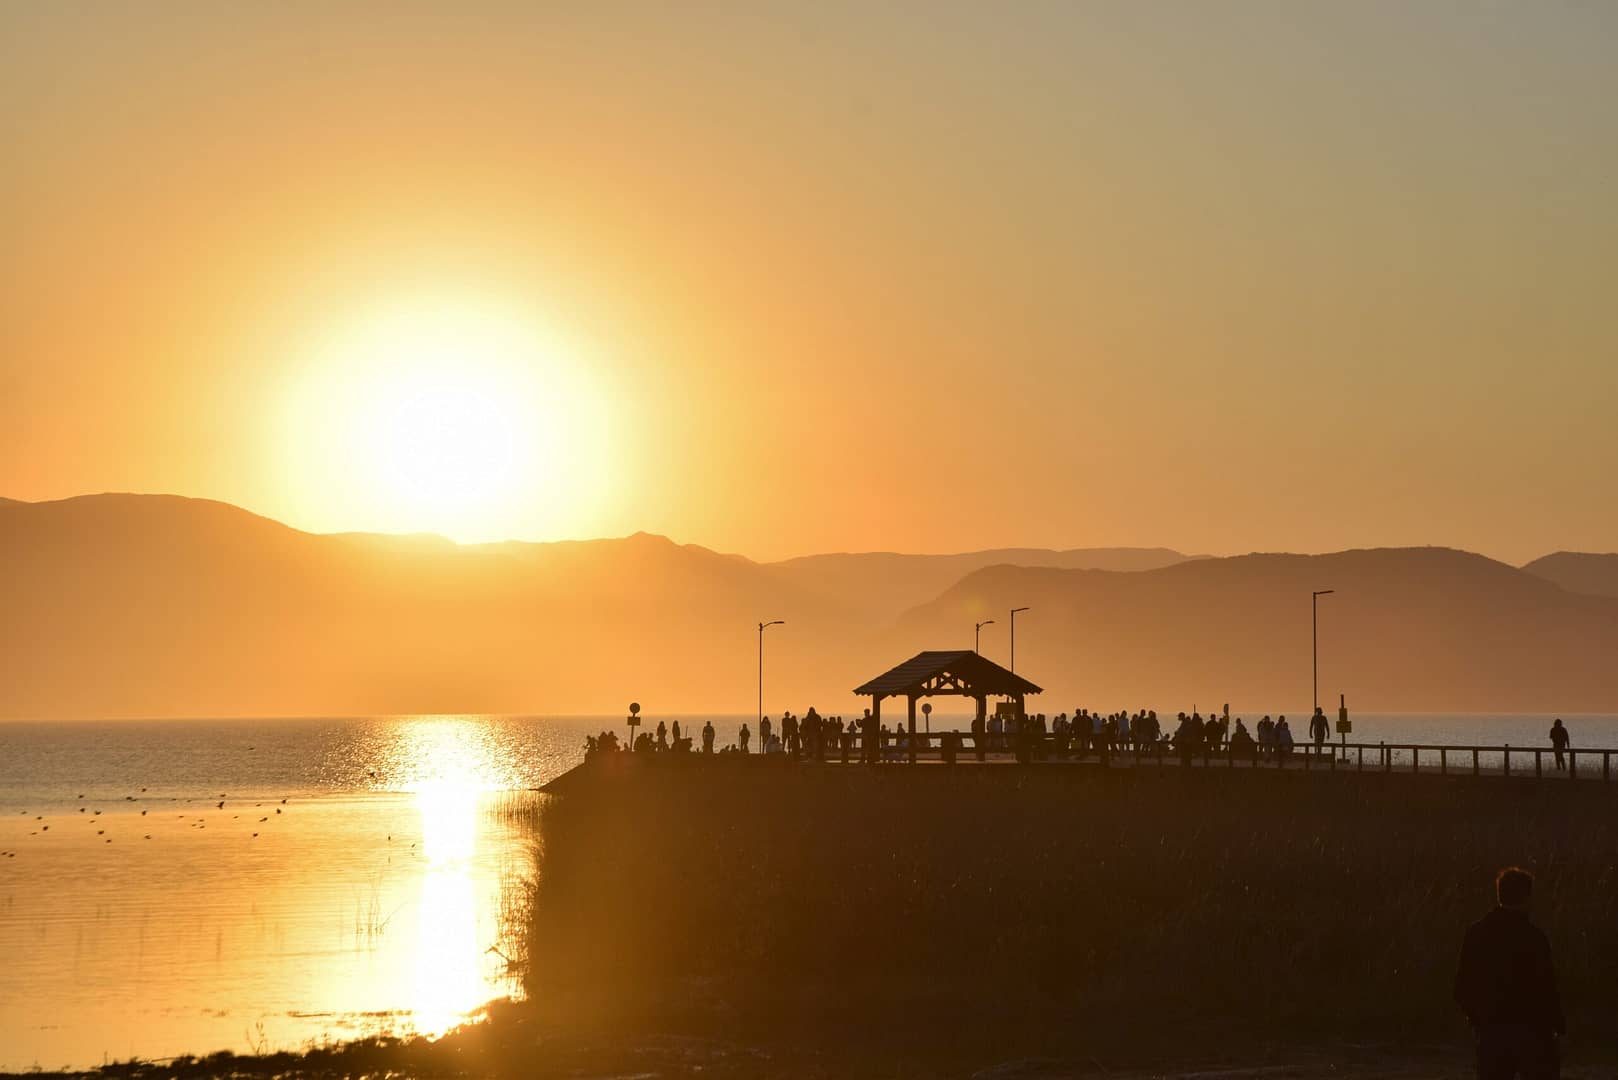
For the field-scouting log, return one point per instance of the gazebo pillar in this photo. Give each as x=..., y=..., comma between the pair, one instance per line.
x=981, y=739
x=872, y=743
x=911, y=742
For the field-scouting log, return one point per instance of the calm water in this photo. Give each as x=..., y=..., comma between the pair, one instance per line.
x=155, y=922
x=378, y=899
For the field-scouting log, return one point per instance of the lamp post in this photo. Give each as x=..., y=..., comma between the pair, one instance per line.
x=1314, y=636
x=977, y=630
x=761, y=627
x=1014, y=637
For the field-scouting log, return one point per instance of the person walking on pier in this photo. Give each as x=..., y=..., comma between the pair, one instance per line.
x=744, y=736
x=1283, y=741
x=1319, y=729
x=1505, y=983
x=707, y=737
x=1559, y=741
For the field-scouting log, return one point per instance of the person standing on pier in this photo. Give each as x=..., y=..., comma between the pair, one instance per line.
x=789, y=735
x=744, y=736
x=707, y=737
x=1506, y=985
x=1559, y=741
x=763, y=734
x=1319, y=729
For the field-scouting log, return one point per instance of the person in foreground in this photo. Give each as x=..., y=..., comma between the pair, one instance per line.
x=1506, y=985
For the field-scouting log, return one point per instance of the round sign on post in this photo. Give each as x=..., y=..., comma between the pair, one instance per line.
x=927, y=715
x=634, y=721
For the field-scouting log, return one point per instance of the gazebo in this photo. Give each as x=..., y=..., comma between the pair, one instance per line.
x=961, y=673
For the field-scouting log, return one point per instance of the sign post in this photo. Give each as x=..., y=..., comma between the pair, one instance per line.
x=633, y=721
x=1344, y=724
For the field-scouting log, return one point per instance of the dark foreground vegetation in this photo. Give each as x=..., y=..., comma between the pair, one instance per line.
x=968, y=915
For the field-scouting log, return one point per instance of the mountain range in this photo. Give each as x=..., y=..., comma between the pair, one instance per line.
x=152, y=605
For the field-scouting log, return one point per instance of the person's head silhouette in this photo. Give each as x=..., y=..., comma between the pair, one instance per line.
x=1514, y=888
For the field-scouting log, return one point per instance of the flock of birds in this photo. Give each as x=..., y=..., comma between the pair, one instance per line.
x=91, y=814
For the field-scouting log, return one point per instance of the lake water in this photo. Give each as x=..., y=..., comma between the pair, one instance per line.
x=138, y=917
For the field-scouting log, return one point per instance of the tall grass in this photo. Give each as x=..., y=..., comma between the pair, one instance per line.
x=981, y=907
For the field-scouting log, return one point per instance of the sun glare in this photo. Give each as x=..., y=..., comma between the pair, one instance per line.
x=448, y=418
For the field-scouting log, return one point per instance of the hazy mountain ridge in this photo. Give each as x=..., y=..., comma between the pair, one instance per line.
x=124, y=605
x=887, y=582
x=1406, y=628
x=1579, y=571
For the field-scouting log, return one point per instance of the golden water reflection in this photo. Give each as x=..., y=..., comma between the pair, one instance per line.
x=315, y=920
x=454, y=773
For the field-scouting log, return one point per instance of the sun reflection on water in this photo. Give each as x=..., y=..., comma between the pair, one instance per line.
x=452, y=772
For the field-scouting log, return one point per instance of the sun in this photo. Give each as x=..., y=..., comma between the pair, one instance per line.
x=459, y=419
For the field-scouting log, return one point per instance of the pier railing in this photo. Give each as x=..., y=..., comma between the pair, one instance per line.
x=1439, y=759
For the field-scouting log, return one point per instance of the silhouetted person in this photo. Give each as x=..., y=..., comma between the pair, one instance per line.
x=763, y=734
x=1283, y=740
x=1241, y=743
x=1319, y=729
x=744, y=736
x=1506, y=985
x=1185, y=738
x=1559, y=741
x=707, y=737
x=789, y=734
x=978, y=734
x=662, y=735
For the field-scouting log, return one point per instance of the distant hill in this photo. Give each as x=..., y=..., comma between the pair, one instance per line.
x=1578, y=571
x=129, y=605
x=1419, y=629
x=885, y=582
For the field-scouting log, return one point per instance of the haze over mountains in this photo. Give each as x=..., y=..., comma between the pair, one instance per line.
x=126, y=605
x=1578, y=571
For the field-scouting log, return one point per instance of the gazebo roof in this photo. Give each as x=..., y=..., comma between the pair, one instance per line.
x=950, y=671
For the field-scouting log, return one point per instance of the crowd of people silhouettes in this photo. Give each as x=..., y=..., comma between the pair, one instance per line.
x=1083, y=733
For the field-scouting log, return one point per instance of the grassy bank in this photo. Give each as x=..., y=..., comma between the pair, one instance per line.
x=974, y=913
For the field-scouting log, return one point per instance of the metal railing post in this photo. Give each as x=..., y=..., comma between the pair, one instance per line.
x=1506, y=771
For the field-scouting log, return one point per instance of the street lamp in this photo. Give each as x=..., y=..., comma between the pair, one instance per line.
x=1014, y=637
x=761, y=626
x=977, y=629
x=1314, y=633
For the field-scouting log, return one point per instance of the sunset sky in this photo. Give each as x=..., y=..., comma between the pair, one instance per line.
x=796, y=278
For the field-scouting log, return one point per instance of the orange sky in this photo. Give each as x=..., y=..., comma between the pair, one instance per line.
x=789, y=278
